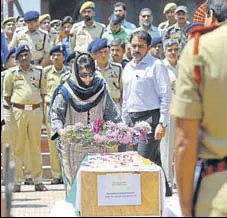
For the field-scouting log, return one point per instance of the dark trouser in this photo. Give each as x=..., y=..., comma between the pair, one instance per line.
x=150, y=149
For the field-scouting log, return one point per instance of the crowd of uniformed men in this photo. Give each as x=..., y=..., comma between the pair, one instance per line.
x=51, y=47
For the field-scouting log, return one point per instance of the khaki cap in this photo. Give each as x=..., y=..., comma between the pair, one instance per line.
x=169, y=6
x=9, y=19
x=87, y=4
x=43, y=17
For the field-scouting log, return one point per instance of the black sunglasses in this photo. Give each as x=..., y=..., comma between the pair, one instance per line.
x=84, y=75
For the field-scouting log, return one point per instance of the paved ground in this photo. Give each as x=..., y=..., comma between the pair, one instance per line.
x=29, y=203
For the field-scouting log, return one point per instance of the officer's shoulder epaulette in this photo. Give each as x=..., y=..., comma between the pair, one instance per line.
x=40, y=68
x=12, y=70
x=47, y=69
x=101, y=24
x=117, y=65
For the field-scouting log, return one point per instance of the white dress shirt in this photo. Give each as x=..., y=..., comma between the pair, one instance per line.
x=146, y=86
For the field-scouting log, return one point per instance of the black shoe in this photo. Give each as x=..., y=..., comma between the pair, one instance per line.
x=40, y=187
x=28, y=181
x=169, y=192
x=55, y=181
x=17, y=188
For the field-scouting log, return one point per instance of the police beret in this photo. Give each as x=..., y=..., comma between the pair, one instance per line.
x=88, y=4
x=9, y=19
x=58, y=48
x=169, y=6
x=21, y=49
x=11, y=51
x=89, y=48
x=67, y=19
x=192, y=25
x=182, y=8
x=31, y=15
x=156, y=40
x=99, y=44
x=44, y=17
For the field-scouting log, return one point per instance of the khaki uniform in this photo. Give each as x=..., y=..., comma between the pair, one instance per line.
x=9, y=135
x=52, y=39
x=37, y=41
x=206, y=102
x=9, y=130
x=164, y=25
x=82, y=35
x=112, y=76
x=53, y=78
x=25, y=89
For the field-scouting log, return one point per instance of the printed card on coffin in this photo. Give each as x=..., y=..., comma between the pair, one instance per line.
x=150, y=195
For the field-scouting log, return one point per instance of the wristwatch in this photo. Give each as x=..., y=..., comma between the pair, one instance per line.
x=164, y=125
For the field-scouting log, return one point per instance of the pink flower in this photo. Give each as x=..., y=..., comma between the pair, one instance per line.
x=99, y=138
x=97, y=126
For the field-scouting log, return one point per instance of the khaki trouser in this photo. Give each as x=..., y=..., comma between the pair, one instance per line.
x=54, y=158
x=9, y=136
x=29, y=130
x=212, y=196
x=9, y=132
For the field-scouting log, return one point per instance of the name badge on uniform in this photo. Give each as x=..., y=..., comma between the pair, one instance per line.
x=39, y=45
x=34, y=81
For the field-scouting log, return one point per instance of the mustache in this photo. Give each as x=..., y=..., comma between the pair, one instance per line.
x=87, y=18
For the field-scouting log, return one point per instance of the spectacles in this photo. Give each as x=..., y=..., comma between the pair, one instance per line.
x=173, y=49
x=85, y=75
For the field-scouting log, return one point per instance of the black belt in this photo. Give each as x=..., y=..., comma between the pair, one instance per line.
x=139, y=114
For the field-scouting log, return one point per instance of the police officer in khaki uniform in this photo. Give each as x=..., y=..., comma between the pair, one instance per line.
x=84, y=32
x=24, y=92
x=36, y=39
x=44, y=24
x=9, y=26
x=199, y=107
x=111, y=71
x=54, y=75
x=9, y=130
x=169, y=12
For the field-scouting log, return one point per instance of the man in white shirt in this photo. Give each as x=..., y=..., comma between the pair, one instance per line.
x=146, y=95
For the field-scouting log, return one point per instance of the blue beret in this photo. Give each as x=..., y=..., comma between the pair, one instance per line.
x=99, y=44
x=58, y=48
x=155, y=41
x=31, y=15
x=89, y=48
x=11, y=51
x=21, y=49
x=192, y=25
